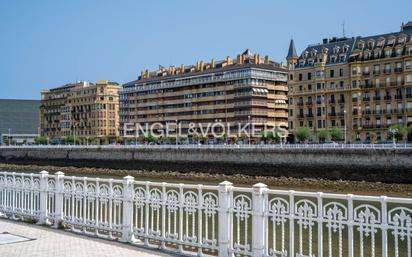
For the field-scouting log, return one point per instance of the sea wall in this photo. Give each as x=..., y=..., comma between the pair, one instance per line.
x=385, y=165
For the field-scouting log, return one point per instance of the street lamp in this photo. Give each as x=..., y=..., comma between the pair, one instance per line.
x=248, y=118
x=344, y=120
x=9, y=137
x=176, y=131
x=393, y=131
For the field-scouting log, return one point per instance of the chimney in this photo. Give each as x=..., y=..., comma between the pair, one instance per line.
x=182, y=68
x=238, y=59
x=172, y=70
x=201, y=64
x=212, y=63
x=146, y=74
x=266, y=59
x=229, y=60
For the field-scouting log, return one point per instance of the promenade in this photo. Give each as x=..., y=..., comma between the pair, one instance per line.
x=48, y=242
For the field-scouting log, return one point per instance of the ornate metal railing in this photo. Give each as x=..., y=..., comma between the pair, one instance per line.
x=218, y=220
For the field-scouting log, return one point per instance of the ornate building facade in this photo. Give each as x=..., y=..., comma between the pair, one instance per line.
x=360, y=85
x=84, y=110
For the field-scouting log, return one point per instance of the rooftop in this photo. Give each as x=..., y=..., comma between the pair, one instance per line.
x=246, y=59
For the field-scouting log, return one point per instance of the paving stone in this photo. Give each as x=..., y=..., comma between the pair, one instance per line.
x=49, y=242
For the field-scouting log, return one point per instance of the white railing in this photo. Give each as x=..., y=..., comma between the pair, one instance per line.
x=218, y=220
x=219, y=146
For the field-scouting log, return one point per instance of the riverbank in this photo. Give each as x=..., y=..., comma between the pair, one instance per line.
x=304, y=184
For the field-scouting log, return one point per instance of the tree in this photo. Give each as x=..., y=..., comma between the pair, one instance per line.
x=336, y=134
x=399, y=131
x=303, y=134
x=149, y=138
x=323, y=136
x=40, y=140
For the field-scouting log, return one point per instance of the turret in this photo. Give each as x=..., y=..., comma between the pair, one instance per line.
x=292, y=57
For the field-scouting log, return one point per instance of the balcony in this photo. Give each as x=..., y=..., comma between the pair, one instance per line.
x=409, y=109
x=387, y=71
x=354, y=99
x=376, y=72
x=398, y=70
x=309, y=115
x=301, y=116
x=309, y=103
x=398, y=97
x=332, y=101
x=300, y=103
x=367, y=112
x=332, y=114
x=408, y=96
x=388, y=98
x=341, y=101
x=368, y=85
x=366, y=99
x=377, y=98
x=355, y=112
x=366, y=73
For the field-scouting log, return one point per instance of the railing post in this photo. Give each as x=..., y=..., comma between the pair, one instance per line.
x=59, y=183
x=43, y=197
x=258, y=220
x=127, y=221
x=384, y=226
x=225, y=218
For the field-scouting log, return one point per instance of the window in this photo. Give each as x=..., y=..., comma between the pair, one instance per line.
x=319, y=123
x=408, y=65
x=341, y=72
x=309, y=76
x=409, y=78
x=332, y=73
x=318, y=73
x=309, y=87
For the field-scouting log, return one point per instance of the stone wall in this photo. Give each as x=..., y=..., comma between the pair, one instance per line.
x=385, y=165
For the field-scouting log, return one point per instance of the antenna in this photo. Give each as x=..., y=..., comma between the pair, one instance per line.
x=343, y=28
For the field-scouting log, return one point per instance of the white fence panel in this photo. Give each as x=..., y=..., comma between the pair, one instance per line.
x=213, y=220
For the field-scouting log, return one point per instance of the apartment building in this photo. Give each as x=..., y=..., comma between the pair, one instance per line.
x=84, y=110
x=361, y=85
x=248, y=89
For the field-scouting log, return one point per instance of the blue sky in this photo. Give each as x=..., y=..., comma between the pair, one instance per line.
x=46, y=44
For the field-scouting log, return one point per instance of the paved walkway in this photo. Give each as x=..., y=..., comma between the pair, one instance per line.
x=57, y=243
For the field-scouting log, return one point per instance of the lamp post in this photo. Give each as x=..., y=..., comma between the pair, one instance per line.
x=393, y=131
x=344, y=120
x=176, y=131
x=9, y=137
x=248, y=118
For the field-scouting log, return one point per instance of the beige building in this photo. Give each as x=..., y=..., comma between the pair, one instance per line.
x=247, y=89
x=360, y=85
x=86, y=111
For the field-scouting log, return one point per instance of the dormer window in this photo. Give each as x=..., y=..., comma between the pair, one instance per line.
x=361, y=45
x=332, y=59
x=388, y=52
x=371, y=44
x=345, y=48
x=310, y=62
x=342, y=58
x=381, y=41
x=305, y=54
x=325, y=50
x=399, y=51
x=391, y=40
x=313, y=53
x=376, y=53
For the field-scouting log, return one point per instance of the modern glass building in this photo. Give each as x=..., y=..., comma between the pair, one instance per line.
x=19, y=119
